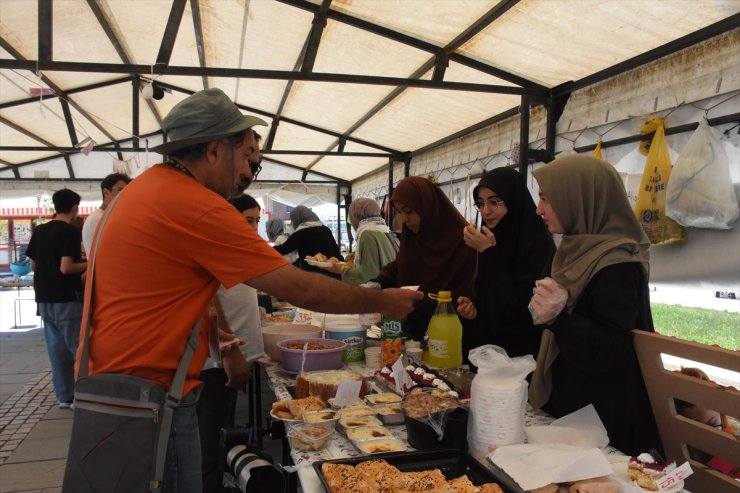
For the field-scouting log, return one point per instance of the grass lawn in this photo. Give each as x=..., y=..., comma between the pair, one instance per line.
x=698, y=324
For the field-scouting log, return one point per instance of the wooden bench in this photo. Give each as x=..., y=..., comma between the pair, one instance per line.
x=676, y=431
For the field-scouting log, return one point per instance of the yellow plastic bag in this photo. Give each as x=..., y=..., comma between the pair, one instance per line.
x=651, y=198
x=597, y=151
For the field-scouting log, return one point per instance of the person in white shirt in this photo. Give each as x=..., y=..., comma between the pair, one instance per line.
x=110, y=187
x=239, y=314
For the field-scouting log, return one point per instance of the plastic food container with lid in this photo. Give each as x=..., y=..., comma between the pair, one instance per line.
x=390, y=414
x=357, y=411
x=309, y=436
x=368, y=432
x=384, y=398
x=348, y=423
x=325, y=417
x=379, y=445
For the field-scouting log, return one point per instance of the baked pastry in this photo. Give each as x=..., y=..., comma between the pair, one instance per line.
x=323, y=384
x=490, y=488
x=298, y=406
x=380, y=445
x=367, y=432
x=281, y=410
x=357, y=411
x=595, y=485
x=462, y=485
x=342, y=478
x=647, y=468
x=380, y=475
x=424, y=481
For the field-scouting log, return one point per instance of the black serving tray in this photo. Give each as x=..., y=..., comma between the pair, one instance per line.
x=452, y=462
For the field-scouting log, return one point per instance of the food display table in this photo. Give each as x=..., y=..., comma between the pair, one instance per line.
x=339, y=446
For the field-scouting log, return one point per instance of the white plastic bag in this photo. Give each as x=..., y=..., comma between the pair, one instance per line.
x=700, y=191
x=498, y=397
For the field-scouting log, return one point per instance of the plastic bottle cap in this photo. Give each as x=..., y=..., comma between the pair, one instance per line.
x=442, y=296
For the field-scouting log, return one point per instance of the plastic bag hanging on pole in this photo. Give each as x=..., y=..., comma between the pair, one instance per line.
x=700, y=191
x=651, y=198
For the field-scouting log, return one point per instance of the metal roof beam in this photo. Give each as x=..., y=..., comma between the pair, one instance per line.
x=118, y=46
x=108, y=30
x=198, y=28
x=314, y=37
x=55, y=66
x=679, y=44
x=70, y=169
x=106, y=148
x=300, y=168
x=292, y=122
x=68, y=120
x=473, y=128
x=14, y=167
x=46, y=30
x=429, y=47
x=329, y=153
x=88, y=87
x=170, y=32
x=284, y=98
x=60, y=92
x=27, y=133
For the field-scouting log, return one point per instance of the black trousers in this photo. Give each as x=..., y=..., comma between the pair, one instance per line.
x=215, y=409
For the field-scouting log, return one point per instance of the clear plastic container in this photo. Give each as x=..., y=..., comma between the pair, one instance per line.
x=348, y=423
x=307, y=437
x=379, y=445
x=390, y=415
x=367, y=432
x=326, y=417
x=357, y=411
x=384, y=398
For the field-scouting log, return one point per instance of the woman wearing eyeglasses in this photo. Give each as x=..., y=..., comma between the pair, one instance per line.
x=515, y=249
x=432, y=254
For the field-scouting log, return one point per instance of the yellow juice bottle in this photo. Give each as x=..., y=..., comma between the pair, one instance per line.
x=445, y=333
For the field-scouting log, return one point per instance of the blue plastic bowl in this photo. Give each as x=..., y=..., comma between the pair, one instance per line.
x=20, y=269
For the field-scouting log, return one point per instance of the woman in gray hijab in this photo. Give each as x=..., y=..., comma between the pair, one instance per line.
x=275, y=229
x=376, y=244
x=310, y=238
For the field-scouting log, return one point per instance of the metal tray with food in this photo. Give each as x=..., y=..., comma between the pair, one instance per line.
x=452, y=463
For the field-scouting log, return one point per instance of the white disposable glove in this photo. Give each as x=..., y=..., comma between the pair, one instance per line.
x=548, y=301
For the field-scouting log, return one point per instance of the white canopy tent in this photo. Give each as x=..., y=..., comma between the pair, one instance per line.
x=347, y=87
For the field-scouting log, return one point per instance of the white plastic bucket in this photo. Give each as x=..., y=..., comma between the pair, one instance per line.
x=348, y=329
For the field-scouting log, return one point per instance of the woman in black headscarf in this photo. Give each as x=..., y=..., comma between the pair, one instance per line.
x=432, y=254
x=515, y=250
x=310, y=237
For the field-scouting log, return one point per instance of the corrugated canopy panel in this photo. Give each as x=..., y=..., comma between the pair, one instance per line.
x=349, y=77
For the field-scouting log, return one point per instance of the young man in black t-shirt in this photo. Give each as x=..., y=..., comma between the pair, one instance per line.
x=54, y=250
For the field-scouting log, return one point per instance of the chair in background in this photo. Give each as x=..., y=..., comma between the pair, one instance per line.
x=678, y=432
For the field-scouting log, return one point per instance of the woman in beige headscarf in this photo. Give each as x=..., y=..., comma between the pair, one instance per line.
x=597, y=295
x=376, y=243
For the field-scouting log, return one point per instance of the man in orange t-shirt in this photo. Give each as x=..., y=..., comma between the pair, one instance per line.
x=170, y=241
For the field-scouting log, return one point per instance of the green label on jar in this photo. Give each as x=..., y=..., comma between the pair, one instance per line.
x=391, y=328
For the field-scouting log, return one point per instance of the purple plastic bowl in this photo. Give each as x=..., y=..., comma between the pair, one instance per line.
x=316, y=359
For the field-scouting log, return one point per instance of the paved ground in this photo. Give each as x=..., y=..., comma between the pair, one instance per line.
x=34, y=432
